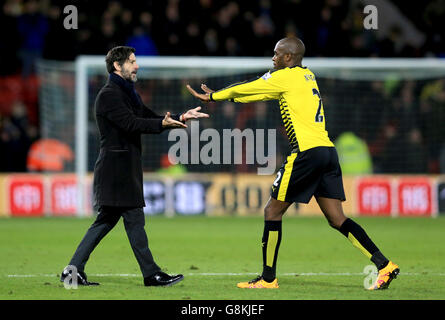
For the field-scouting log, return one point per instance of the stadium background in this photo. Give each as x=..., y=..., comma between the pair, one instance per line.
x=397, y=125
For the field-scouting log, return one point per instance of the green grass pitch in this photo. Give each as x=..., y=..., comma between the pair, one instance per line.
x=315, y=261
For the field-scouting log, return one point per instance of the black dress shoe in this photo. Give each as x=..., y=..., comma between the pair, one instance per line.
x=81, y=278
x=162, y=279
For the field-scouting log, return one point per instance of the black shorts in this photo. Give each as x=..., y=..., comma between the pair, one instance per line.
x=314, y=172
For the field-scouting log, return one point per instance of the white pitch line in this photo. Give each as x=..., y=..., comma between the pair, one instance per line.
x=204, y=274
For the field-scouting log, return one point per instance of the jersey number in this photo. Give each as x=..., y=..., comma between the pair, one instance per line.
x=318, y=116
x=275, y=183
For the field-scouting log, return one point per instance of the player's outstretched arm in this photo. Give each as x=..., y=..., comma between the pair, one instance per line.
x=246, y=99
x=269, y=87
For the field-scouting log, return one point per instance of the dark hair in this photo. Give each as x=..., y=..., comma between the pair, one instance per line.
x=118, y=54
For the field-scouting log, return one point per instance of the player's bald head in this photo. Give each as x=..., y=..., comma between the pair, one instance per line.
x=293, y=46
x=288, y=52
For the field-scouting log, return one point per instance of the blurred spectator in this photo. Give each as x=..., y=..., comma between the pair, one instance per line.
x=330, y=33
x=128, y=21
x=227, y=116
x=194, y=45
x=263, y=31
x=393, y=45
x=142, y=42
x=404, y=152
x=33, y=27
x=108, y=38
x=9, y=39
x=171, y=169
x=171, y=42
x=432, y=117
x=16, y=136
x=353, y=154
x=442, y=159
x=212, y=43
x=48, y=155
x=60, y=43
x=260, y=116
x=433, y=17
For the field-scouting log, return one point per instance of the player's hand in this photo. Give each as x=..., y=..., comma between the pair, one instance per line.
x=206, y=89
x=194, y=114
x=204, y=97
x=168, y=122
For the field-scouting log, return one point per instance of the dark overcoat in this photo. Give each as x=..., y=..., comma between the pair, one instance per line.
x=121, y=118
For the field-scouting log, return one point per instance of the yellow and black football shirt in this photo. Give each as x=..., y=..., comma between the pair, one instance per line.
x=300, y=103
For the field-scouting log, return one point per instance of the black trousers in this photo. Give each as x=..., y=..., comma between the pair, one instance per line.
x=134, y=222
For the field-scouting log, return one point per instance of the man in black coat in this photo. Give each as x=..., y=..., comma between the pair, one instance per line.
x=118, y=187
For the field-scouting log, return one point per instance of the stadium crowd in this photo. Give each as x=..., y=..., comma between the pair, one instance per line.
x=33, y=29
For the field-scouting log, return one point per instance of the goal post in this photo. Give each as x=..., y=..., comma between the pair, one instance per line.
x=337, y=78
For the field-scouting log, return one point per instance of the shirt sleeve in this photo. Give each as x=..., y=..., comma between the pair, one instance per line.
x=268, y=87
x=256, y=97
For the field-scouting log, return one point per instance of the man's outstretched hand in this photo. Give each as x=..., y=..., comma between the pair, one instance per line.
x=168, y=122
x=193, y=114
x=205, y=97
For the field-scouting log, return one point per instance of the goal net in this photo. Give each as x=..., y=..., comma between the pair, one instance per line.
x=384, y=115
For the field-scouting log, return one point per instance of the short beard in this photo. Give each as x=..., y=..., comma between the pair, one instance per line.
x=128, y=76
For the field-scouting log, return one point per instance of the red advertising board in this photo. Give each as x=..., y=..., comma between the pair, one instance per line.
x=63, y=196
x=26, y=196
x=374, y=196
x=414, y=196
